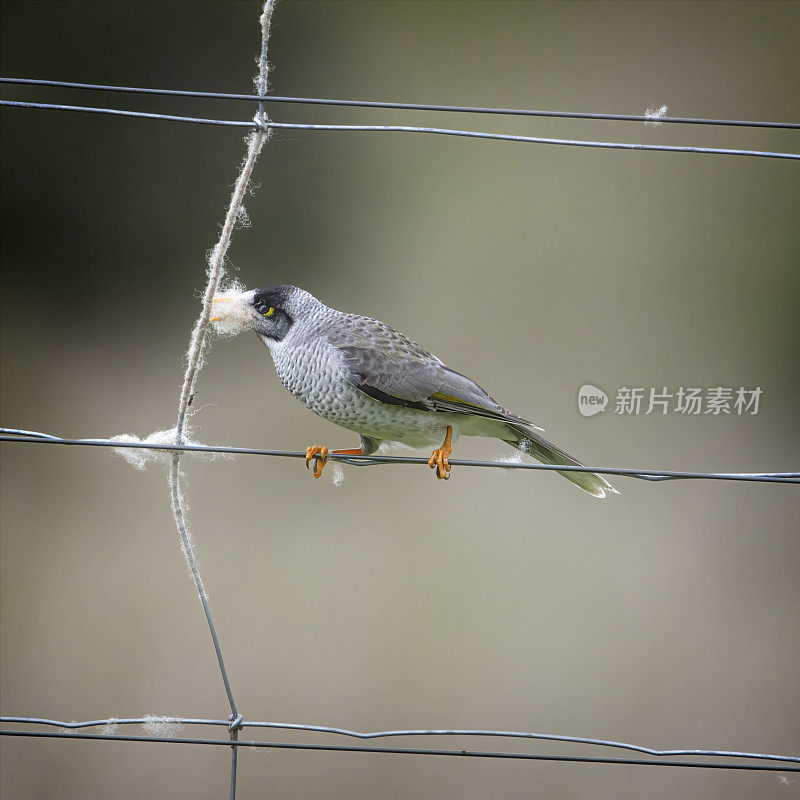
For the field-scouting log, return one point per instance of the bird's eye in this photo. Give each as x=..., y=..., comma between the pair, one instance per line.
x=265, y=310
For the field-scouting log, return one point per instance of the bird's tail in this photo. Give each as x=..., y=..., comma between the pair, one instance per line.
x=534, y=445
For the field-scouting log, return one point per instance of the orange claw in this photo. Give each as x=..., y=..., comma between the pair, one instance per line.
x=439, y=459
x=320, y=456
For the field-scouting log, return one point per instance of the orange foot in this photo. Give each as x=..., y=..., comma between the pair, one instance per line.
x=319, y=460
x=439, y=458
x=320, y=456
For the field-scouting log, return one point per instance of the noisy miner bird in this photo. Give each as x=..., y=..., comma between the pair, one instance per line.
x=369, y=378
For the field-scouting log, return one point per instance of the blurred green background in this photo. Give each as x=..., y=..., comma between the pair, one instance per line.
x=666, y=616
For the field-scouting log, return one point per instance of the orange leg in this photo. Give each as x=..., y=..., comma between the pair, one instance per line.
x=320, y=456
x=439, y=458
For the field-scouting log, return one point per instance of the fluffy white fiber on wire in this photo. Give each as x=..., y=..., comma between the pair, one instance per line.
x=161, y=726
x=655, y=113
x=111, y=727
x=139, y=457
x=506, y=458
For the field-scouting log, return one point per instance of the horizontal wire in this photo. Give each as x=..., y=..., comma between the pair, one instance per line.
x=34, y=437
x=121, y=113
x=409, y=751
x=521, y=112
x=398, y=733
x=538, y=139
x=407, y=129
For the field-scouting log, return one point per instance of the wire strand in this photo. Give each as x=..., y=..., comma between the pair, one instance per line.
x=410, y=732
x=407, y=129
x=408, y=751
x=18, y=435
x=198, y=343
x=122, y=113
x=520, y=112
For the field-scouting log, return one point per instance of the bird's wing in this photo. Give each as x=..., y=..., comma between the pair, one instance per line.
x=393, y=369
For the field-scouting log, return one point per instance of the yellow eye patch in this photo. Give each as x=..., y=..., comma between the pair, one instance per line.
x=269, y=313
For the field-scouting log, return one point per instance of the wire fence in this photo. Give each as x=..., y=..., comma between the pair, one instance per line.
x=665, y=757
x=241, y=723
x=265, y=125
x=518, y=112
x=235, y=724
x=36, y=437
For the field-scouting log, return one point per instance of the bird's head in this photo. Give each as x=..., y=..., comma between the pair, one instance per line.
x=270, y=312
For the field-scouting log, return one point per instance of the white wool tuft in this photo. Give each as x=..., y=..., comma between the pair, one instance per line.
x=140, y=458
x=231, y=315
x=110, y=728
x=508, y=458
x=654, y=113
x=161, y=726
x=337, y=473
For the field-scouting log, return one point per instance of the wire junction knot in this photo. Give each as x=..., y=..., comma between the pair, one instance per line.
x=235, y=724
x=261, y=121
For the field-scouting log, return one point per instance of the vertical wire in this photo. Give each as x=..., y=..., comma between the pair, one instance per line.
x=197, y=345
x=256, y=142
